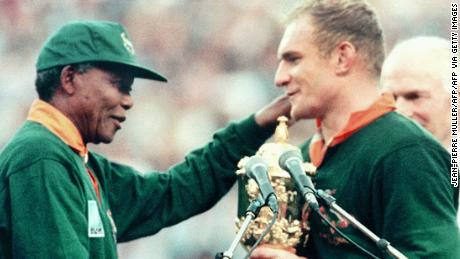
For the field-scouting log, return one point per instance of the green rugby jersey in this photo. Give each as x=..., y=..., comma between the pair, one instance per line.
x=50, y=208
x=394, y=178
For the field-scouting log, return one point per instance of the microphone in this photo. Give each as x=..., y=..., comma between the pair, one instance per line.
x=292, y=162
x=257, y=168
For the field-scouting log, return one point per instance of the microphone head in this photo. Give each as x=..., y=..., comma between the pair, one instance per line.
x=289, y=155
x=253, y=162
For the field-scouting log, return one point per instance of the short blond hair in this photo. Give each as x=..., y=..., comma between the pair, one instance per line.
x=351, y=20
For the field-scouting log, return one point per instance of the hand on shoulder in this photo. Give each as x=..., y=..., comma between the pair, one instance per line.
x=278, y=107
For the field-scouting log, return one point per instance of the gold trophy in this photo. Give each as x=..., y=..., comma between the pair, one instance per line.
x=291, y=226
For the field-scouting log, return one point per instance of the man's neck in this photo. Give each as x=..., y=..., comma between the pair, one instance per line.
x=445, y=138
x=446, y=144
x=354, y=98
x=65, y=106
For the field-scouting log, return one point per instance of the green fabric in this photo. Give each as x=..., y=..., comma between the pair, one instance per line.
x=394, y=178
x=45, y=189
x=86, y=41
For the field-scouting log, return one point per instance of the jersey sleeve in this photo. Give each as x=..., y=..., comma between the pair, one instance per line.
x=142, y=204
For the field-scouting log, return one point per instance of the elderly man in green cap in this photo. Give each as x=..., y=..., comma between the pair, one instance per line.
x=60, y=200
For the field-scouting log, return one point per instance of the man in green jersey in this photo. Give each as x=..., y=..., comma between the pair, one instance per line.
x=384, y=169
x=60, y=200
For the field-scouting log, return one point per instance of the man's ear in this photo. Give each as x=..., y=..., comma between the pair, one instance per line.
x=68, y=80
x=345, y=57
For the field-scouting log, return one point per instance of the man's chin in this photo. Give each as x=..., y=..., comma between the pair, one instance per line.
x=297, y=115
x=104, y=139
x=293, y=116
x=107, y=141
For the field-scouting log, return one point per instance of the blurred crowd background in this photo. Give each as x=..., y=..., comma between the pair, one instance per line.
x=220, y=58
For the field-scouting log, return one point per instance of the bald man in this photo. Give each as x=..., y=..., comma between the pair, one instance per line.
x=417, y=73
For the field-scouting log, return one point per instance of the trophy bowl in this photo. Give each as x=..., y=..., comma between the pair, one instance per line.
x=291, y=226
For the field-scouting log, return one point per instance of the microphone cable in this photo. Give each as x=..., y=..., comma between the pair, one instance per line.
x=362, y=249
x=272, y=222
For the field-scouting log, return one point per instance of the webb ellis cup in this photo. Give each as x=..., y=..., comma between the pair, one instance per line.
x=291, y=227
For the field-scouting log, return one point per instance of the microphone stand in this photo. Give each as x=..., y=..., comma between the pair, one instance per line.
x=251, y=212
x=381, y=243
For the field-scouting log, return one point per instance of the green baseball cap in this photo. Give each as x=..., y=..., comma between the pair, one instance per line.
x=92, y=41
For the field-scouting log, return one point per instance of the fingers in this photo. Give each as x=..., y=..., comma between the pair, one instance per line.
x=272, y=253
x=278, y=107
x=263, y=253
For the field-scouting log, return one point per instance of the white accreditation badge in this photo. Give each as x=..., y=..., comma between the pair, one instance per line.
x=95, y=226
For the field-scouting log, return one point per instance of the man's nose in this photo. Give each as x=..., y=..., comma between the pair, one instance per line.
x=282, y=76
x=127, y=101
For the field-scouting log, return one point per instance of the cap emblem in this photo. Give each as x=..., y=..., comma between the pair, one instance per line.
x=127, y=43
